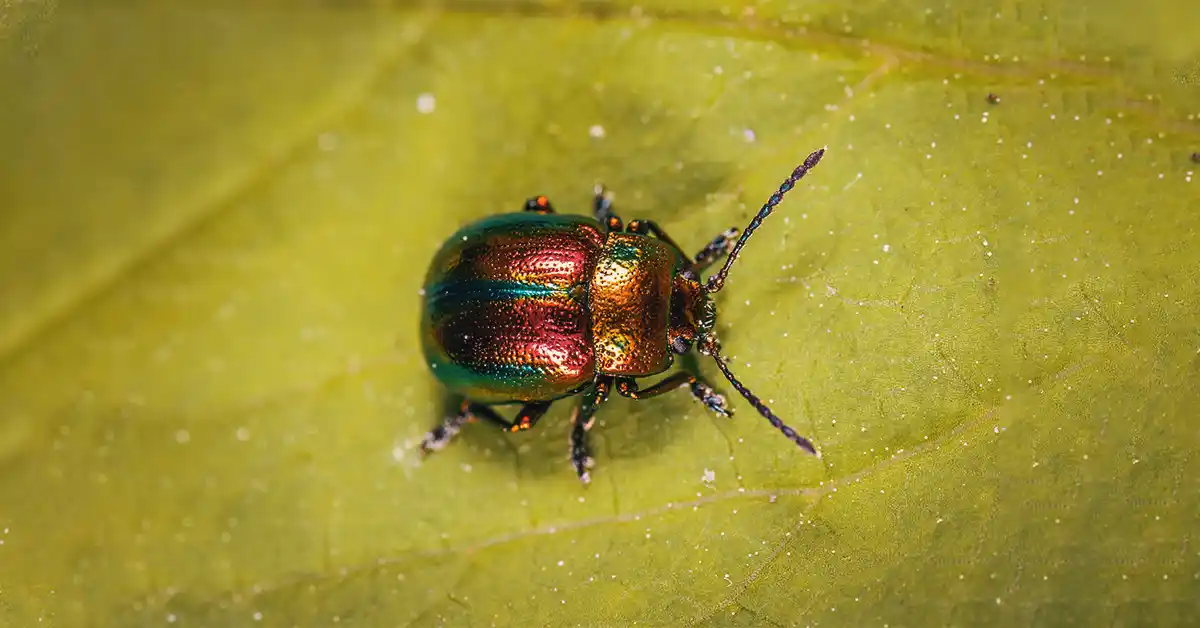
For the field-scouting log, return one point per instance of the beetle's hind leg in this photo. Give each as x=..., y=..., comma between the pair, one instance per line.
x=529, y=415
x=468, y=412
x=700, y=389
x=440, y=436
x=539, y=204
x=581, y=422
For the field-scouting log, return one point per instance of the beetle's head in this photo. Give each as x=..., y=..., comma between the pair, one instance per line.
x=696, y=304
x=693, y=314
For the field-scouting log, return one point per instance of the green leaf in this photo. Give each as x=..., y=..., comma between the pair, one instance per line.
x=216, y=222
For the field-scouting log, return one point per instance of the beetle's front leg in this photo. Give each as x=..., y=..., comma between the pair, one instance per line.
x=581, y=422
x=650, y=227
x=703, y=393
x=468, y=412
x=719, y=247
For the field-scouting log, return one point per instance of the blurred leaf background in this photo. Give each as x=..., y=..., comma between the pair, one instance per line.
x=215, y=218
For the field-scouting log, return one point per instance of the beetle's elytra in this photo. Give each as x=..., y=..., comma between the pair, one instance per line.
x=531, y=307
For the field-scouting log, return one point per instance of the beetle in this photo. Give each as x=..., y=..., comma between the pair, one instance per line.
x=533, y=307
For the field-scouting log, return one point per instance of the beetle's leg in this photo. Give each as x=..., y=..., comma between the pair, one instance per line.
x=539, y=204
x=700, y=390
x=440, y=436
x=528, y=416
x=602, y=208
x=581, y=422
x=715, y=250
x=651, y=227
x=719, y=247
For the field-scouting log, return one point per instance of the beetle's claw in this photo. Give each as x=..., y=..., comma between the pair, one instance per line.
x=432, y=443
x=582, y=464
x=437, y=438
x=711, y=399
x=720, y=406
x=730, y=237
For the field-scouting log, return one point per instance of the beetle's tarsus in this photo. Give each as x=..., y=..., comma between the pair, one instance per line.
x=440, y=436
x=581, y=422
x=582, y=465
x=711, y=398
x=581, y=460
x=716, y=249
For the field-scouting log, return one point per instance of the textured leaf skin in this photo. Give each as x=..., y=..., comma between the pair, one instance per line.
x=214, y=224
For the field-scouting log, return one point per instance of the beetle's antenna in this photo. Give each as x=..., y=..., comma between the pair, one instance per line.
x=763, y=409
x=717, y=281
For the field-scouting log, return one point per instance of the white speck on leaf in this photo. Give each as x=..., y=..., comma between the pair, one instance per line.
x=327, y=141
x=426, y=103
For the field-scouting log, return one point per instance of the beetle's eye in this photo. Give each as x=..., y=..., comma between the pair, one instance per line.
x=680, y=345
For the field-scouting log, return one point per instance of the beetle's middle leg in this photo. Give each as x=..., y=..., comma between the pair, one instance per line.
x=602, y=208
x=581, y=422
x=703, y=393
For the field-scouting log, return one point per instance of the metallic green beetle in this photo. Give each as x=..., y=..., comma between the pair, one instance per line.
x=532, y=307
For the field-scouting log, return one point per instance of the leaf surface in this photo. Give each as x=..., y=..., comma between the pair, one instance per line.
x=216, y=223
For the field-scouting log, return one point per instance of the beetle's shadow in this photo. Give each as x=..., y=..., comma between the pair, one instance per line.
x=624, y=429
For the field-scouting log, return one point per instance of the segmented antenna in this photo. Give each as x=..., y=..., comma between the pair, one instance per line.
x=764, y=410
x=717, y=281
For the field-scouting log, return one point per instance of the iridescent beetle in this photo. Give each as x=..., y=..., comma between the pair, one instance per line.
x=528, y=308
